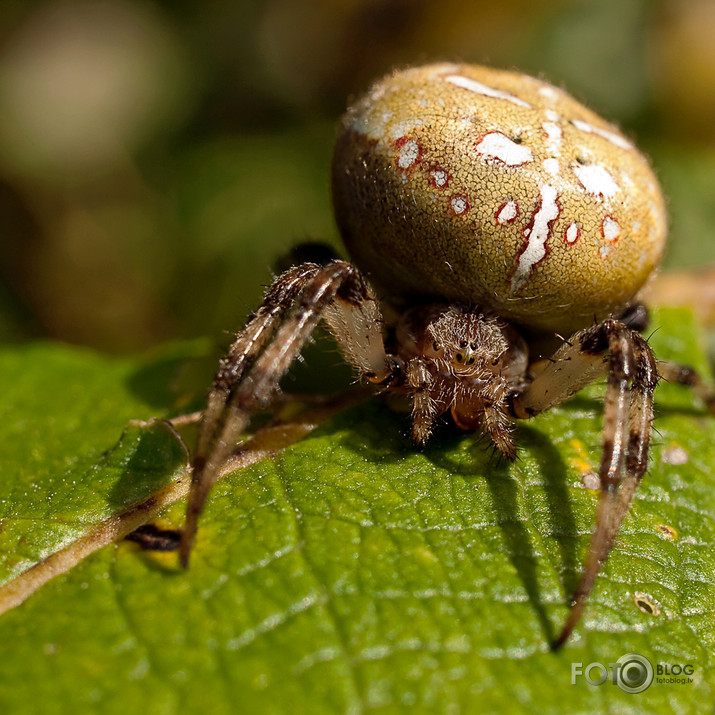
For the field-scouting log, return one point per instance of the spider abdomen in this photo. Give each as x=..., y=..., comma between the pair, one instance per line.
x=493, y=188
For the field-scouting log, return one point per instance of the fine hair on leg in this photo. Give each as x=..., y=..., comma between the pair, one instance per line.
x=248, y=376
x=615, y=349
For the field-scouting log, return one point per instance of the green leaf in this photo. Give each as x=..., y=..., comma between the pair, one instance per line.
x=351, y=572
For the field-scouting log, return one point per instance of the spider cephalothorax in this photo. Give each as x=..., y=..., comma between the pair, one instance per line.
x=459, y=360
x=491, y=211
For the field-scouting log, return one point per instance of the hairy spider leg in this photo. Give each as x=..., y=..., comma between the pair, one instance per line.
x=618, y=489
x=629, y=363
x=278, y=299
x=248, y=378
x=425, y=406
x=688, y=377
x=243, y=351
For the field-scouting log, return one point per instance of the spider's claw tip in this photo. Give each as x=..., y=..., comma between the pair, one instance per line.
x=563, y=636
x=184, y=559
x=185, y=548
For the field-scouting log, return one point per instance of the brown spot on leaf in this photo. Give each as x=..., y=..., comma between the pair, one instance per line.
x=646, y=603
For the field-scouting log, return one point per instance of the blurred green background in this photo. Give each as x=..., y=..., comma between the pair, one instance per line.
x=156, y=158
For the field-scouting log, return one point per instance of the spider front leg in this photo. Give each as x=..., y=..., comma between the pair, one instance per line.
x=248, y=376
x=622, y=353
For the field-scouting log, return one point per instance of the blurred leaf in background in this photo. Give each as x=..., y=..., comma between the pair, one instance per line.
x=156, y=159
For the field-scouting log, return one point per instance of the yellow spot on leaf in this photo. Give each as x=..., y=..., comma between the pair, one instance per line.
x=589, y=476
x=668, y=531
x=426, y=554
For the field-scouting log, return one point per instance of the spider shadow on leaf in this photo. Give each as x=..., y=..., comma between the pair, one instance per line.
x=173, y=378
x=146, y=458
x=504, y=486
x=479, y=462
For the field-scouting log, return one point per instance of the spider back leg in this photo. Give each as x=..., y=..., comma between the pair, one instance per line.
x=688, y=377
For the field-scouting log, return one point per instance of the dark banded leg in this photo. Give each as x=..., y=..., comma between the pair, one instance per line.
x=248, y=378
x=632, y=412
x=688, y=377
x=248, y=343
x=420, y=382
x=624, y=356
x=636, y=316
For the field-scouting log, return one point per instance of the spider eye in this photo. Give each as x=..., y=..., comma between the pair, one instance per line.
x=436, y=346
x=459, y=357
x=473, y=346
x=463, y=344
x=469, y=360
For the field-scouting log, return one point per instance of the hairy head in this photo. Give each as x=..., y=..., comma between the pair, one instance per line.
x=468, y=341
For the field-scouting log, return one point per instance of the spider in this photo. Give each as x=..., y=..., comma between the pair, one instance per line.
x=490, y=212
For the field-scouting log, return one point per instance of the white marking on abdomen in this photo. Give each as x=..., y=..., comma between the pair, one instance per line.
x=400, y=129
x=536, y=236
x=595, y=179
x=572, y=233
x=409, y=152
x=611, y=229
x=499, y=146
x=440, y=178
x=549, y=92
x=459, y=204
x=507, y=212
x=553, y=137
x=473, y=86
x=612, y=137
x=551, y=165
